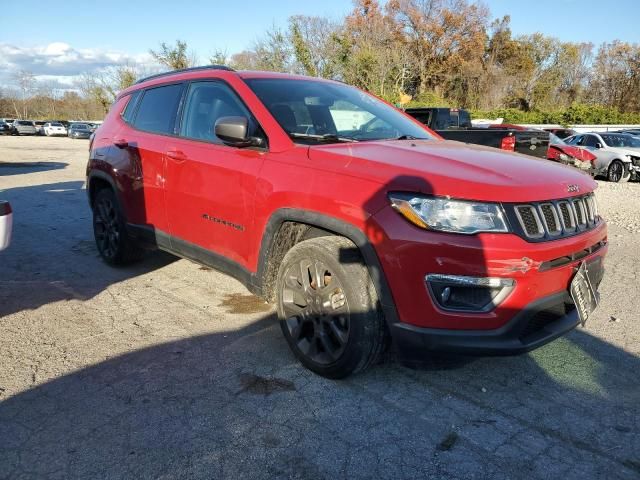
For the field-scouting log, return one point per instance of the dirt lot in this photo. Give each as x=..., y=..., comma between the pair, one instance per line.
x=171, y=370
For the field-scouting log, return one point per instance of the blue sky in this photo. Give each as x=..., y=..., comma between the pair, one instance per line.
x=58, y=40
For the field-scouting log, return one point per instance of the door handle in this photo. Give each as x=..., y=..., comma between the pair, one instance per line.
x=120, y=142
x=176, y=155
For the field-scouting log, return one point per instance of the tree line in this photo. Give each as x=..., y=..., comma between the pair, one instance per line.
x=432, y=53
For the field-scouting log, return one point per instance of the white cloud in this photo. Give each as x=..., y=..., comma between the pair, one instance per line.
x=59, y=62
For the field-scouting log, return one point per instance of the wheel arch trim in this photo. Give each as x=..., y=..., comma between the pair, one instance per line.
x=339, y=227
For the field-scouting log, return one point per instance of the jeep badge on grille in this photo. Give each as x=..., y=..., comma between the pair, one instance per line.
x=573, y=188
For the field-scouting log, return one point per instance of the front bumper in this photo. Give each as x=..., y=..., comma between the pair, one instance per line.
x=542, y=272
x=539, y=323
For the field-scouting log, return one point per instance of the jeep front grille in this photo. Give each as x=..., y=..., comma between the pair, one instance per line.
x=539, y=221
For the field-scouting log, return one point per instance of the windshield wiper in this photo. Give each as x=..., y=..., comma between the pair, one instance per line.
x=408, y=137
x=327, y=137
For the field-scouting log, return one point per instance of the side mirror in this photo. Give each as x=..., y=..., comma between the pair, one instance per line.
x=233, y=131
x=598, y=145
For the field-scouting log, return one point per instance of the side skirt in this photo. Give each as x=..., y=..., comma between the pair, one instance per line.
x=190, y=251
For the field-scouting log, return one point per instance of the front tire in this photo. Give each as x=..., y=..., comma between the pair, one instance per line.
x=328, y=307
x=109, y=230
x=616, y=172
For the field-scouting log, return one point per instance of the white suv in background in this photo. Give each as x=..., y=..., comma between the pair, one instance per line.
x=54, y=128
x=618, y=154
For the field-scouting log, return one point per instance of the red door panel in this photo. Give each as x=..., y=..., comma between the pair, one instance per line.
x=210, y=191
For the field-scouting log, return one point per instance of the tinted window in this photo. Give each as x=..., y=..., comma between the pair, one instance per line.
x=589, y=141
x=127, y=115
x=206, y=103
x=621, y=141
x=158, y=107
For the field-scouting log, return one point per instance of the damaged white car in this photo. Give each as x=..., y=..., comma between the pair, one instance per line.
x=618, y=154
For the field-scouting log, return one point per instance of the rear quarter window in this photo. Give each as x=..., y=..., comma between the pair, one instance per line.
x=127, y=114
x=157, y=110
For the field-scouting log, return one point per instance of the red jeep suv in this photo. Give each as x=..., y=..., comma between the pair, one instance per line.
x=362, y=225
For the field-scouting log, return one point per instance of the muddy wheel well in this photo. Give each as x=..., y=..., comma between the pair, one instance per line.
x=288, y=235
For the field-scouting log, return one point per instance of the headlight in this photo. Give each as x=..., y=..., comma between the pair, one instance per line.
x=564, y=157
x=446, y=215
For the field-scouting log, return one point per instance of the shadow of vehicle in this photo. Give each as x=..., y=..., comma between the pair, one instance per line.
x=236, y=404
x=19, y=168
x=53, y=255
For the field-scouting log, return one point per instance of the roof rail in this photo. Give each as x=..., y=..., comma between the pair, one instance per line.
x=191, y=69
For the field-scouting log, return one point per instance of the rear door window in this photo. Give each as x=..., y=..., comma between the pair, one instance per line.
x=158, y=107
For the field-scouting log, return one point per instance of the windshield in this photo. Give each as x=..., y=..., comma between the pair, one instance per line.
x=313, y=111
x=555, y=140
x=621, y=140
x=25, y=123
x=56, y=124
x=79, y=126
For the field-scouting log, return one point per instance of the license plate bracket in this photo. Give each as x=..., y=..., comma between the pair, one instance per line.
x=583, y=293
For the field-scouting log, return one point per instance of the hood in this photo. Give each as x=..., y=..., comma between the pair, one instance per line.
x=624, y=151
x=453, y=169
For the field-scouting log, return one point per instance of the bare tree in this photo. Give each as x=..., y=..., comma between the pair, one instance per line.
x=26, y=82
x=103, y=86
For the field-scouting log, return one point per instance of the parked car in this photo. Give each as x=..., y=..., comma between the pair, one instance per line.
x=8, y=121
x=618, y=154
x=6, y=224
x=5, y=128
x=79, y=130
x=52, y=129
x=561, y=133
x=23, y=127
x=455, y=124
x=39, y=127
x=561, y=152
x=356, y=236
x=633, y=131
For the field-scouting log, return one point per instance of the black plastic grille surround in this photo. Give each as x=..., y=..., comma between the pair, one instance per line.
x=550, y=220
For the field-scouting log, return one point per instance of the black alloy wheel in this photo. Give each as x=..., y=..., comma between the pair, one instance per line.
x=106, y=227
x=316, y=310
x=328, y=307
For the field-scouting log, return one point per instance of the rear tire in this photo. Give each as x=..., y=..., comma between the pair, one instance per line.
x=328, y=307
x=115, y=246
x=616, y=172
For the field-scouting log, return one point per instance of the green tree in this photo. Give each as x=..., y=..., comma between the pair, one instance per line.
x=175, y=57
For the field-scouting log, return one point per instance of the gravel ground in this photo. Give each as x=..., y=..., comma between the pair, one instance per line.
x=171, y=370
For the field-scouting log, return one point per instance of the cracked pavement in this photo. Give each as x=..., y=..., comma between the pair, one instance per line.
x=171, y=370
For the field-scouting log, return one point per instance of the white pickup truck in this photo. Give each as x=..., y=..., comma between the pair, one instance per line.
x=6, y=223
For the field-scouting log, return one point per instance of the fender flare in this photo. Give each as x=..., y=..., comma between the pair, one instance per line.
x=99, y=174
x=340, y=227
